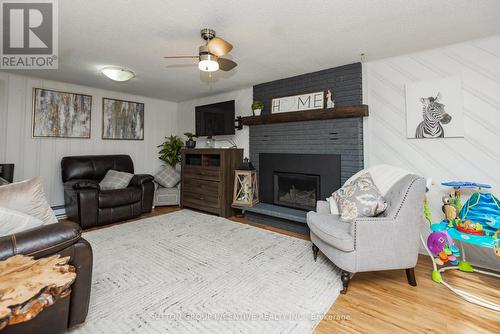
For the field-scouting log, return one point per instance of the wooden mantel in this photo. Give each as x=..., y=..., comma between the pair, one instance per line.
x=307, y=115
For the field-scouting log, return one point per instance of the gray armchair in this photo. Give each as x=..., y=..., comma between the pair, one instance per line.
x=389, y=241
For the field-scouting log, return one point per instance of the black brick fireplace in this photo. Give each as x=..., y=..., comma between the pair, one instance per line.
x=301, y=161
x=298, y=180
x=332, y=136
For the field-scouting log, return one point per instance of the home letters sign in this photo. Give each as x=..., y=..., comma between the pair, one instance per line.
x=308, y=101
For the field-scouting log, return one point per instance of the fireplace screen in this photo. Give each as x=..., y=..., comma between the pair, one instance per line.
x=299, y=191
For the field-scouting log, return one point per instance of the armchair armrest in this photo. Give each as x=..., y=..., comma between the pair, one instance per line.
x=85, y=184
x=148, y=188
x=322, y=207
x=384, y=243
x=140, y=179
x=40, y=241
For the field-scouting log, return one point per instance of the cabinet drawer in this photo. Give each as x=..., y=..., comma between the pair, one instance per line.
x=201, y=186
x=202, y=174
x=208, y=199
x=201, y=202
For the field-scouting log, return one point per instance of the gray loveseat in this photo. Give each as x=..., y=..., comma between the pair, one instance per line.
x=389, y=241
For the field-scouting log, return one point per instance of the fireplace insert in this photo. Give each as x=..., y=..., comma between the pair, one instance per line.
x=296, y=190
x=297, y=180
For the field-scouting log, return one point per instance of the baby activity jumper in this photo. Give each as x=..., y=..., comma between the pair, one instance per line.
x=475, y=222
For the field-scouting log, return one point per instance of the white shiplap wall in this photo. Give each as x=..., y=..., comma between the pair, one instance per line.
x=42, y=156
x=476, y=157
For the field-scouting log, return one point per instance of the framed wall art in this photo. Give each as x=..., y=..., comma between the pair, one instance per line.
x=61, y=114
x=434, y=108
x=122, y=119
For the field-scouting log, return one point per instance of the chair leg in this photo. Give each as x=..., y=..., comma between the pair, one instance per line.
x=345, y=277
x=315, y=252
x=410, y=276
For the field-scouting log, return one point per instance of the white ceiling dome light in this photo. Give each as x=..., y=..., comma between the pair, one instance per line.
x=119, y=74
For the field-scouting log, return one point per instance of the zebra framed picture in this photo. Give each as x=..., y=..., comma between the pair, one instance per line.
x=122, y=119
x=434, y=108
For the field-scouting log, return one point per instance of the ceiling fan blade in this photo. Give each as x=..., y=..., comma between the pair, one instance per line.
x=219, y=47
x=226, y=64
x=179, y=57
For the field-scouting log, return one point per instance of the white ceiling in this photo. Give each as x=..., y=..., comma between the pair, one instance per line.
x=272, y=39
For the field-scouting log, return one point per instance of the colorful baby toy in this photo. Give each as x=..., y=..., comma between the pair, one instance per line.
x=476, y=222
x=437, y=241
x=449, y=208
x=496, y=246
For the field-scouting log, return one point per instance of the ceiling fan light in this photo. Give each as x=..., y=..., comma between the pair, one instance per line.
x=118, y=73
x=208, y=63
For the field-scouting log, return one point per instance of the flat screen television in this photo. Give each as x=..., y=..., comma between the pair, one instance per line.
x=215, y=119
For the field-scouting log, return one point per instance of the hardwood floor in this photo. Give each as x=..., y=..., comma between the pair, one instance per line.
x=383, y=302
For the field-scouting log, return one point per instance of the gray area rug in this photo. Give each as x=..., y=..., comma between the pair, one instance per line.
x=187, y=272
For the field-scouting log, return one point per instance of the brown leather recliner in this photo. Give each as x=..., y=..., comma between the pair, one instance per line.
x=90, y=206
x=59, y=238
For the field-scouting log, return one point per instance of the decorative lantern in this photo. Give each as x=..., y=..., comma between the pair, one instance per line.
x=246, y=190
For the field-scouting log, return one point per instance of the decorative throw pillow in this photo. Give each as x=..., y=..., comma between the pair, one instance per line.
x=3, y=181
x=115, y=180
x=168, y=177
x=27, y=197
x=13, y=221
x=360, y=198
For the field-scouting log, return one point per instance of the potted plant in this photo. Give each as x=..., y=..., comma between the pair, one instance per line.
x=170, y=151
x=190, y=143
x=257, y=107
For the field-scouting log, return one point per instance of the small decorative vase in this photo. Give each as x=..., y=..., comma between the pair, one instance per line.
x=210, y=142
x=257, y=112
x=190, y=143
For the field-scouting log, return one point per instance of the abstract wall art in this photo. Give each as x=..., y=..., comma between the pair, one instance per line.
x=122, y=119
x=61, y=114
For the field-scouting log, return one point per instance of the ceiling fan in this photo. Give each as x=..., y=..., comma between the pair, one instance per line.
x=210, y=54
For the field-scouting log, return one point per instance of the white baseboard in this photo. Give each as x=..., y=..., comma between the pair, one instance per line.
x=60, y=212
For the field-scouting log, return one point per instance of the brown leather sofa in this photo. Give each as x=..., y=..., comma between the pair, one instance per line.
x=59, y=238
x=90, y=206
